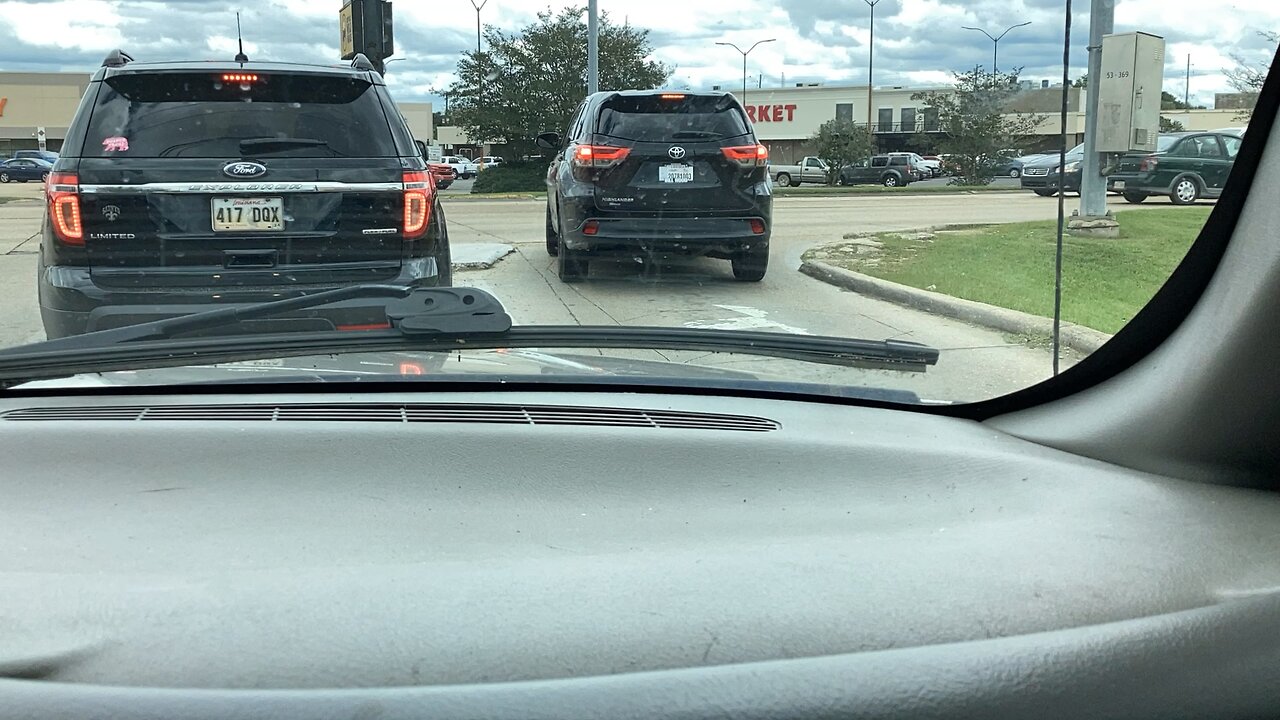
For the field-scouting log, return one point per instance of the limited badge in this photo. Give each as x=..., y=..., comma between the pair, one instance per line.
x=111, y=212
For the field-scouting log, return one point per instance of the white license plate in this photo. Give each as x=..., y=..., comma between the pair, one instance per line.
x=675, y=173
x=237, y=214
x=1118, y=185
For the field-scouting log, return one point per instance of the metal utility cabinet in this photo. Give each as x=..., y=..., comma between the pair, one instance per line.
x=1129, y=92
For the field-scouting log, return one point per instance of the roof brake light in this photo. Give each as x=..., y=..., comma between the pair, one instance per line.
x=240, y=77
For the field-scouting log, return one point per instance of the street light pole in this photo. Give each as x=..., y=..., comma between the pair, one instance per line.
x=745, y=53
x=593, y=48
x=995, y=43
x=478, y=6
x=871, y=57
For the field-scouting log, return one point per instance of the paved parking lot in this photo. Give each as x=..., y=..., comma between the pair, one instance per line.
x=975, y=362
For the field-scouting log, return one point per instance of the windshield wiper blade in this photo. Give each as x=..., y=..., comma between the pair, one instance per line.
x=421, y=319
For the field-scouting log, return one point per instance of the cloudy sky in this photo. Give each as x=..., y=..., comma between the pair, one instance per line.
x=917, y=41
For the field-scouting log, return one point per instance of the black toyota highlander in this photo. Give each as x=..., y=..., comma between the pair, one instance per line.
x=184, y=186
x=655, y=173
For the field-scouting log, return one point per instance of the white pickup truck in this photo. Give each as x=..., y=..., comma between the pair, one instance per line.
x=810, y=170
x=465, y=168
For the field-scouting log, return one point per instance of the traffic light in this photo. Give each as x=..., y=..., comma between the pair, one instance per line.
x=366, y=26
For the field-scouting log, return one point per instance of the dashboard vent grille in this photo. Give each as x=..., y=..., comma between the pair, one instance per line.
x=409, y=413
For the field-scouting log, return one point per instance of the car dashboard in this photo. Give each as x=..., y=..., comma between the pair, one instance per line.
x=620, y=554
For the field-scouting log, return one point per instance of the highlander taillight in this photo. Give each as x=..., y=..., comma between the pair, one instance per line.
x=1148, y=164
x=417, y=202
x=599, y=156
x=748, y=155
x=63, y=190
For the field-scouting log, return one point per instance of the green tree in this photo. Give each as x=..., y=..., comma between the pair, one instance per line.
x=840, y=143
x=531, y=81
x=1169, y=101
x=976, y=124
x=1170, y=126
x=1082, y=81
x=1247, y=76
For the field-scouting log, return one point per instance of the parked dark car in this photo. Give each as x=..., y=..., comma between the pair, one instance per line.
x=48, y=156
x=654, y=174
x=1043, y=176
x=886, y=170
x=24, y=170
x=1185, y=167
x=186, y=186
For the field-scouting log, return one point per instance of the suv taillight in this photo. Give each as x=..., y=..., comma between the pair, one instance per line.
x=748, y=156
x=63, y=190
x=599, y=156
x=1148, y=164
x=417, y=202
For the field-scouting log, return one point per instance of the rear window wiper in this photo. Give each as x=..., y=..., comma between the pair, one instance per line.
x=422, y=319
x=268, y=144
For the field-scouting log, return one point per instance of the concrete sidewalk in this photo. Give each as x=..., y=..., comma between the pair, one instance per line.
x=19, y=244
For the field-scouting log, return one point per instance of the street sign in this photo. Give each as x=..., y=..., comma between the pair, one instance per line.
x=40, y=138
x=347, y=19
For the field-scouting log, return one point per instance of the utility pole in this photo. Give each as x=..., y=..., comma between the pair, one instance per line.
x=1186, y=93
x=593, y=48
x=1093, y=186
x=871, y=63
x=745, y=53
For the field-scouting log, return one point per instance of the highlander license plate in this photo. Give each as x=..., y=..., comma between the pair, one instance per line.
x=675, y=173
x=237, y=214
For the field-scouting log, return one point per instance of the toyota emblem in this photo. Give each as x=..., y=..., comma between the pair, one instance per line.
x=242, y=169
x=676, y=153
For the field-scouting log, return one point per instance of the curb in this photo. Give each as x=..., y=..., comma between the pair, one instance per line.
x=1076, y=337
x=892, y=193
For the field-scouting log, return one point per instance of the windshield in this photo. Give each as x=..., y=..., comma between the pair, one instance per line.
x=749, y=177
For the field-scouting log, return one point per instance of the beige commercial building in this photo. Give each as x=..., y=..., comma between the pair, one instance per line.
x=35, y=102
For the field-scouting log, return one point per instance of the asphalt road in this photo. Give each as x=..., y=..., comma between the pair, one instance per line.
x=975, y=363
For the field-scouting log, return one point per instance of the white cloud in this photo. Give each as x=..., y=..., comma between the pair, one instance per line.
x=81, y=24
x=917, y=41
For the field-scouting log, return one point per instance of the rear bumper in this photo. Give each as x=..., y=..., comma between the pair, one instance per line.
x=1136, y=183
x=675, y=235
x=71, y=303
x=715, y=233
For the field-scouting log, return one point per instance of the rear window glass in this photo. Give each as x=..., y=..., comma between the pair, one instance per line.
x=658, y=119
x=201, y=115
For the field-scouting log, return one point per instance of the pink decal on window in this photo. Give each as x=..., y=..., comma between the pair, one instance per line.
x=115, y=144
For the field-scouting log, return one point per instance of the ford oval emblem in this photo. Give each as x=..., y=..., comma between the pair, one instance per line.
x=244, y=169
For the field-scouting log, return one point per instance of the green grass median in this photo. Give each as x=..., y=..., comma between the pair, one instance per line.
x=1105, y=281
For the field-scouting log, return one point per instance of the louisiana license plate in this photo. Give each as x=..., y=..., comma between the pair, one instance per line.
x=236, y=214
x=675, y=173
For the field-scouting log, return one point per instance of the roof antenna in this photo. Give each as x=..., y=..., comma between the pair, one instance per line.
x=240, y=56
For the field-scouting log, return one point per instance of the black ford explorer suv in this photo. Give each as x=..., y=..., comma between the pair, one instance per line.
x=190, y=185
x=655, y=174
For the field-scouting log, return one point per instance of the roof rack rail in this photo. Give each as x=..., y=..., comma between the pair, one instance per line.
x=360, y=62
x=117, y=58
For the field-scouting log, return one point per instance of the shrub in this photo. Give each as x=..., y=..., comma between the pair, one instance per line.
x=512, y=177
